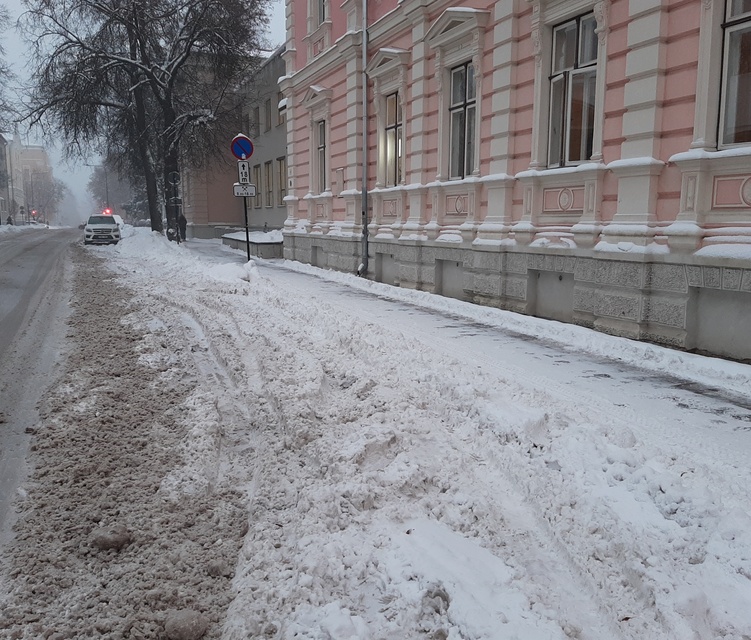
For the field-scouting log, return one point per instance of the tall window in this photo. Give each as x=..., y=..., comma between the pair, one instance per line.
x=736, y=90
x=281, y=114
x=257, y=182
x=393, y=140
x=462, y=114
x=268, y=183
x=321, y=155
x=321, y=5
x=281, y=168
x=572, y=91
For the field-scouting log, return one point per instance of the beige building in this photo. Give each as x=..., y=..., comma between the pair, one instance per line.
x=27, y=190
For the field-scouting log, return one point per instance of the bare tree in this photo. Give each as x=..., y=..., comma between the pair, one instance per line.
x=108, y=189
x=45, y=193
x=157, y=72
x=7, y=111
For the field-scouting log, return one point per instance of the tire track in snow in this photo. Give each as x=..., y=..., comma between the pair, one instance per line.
x=640, y=591
x=321, y=396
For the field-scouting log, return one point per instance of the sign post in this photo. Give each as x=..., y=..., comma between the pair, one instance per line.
x=242, y=149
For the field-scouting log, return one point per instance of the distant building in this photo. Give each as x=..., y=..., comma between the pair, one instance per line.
x=581, y=160
x=26, y=184
x=265, y=112
x=208, y=200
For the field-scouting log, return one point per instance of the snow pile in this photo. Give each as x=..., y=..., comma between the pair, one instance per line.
x=399, y=484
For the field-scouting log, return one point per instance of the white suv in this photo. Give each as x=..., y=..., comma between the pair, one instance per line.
x=101, y=229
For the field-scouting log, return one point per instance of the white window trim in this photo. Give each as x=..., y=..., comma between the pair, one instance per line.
x=388, y=71
x=268, y=183
x=317, y=101
x=546, y=14
x=723, y=86
x=709, y=75
x=457, y=37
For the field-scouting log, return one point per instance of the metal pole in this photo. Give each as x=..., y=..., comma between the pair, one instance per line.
x=247, y=233
x=363, y=270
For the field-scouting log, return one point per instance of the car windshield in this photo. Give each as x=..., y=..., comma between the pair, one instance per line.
x=101, y=220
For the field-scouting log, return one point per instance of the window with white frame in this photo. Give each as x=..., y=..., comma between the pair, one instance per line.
x=257, y=181
x=573, y=84
x=268, y=178
x=462, y=110
x=320, y=129
x=457, y=39
x=281, y=168
x=321, y=10
x=735, y=110
x=317, y=101
x=387, y=70
x=394, y=149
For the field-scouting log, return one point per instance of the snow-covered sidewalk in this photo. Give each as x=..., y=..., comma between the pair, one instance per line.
x=401, y=484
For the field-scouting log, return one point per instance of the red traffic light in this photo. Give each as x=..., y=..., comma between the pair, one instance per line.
x=107, y=211
x=34, y=213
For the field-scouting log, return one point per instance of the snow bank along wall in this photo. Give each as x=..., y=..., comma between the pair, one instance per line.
x=584, y=161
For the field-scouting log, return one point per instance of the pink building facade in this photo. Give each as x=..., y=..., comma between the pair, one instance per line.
x=583, y=161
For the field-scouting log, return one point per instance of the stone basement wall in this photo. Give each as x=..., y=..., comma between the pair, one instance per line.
x=685, y=302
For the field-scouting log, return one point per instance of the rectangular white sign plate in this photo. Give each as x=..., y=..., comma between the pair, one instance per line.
x=244, y=190
x=243, y=172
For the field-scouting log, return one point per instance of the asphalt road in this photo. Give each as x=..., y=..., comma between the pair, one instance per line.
x=35, y=289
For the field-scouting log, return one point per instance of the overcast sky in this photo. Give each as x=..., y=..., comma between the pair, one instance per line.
x=76, y=177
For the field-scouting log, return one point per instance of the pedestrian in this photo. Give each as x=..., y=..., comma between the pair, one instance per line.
x=9, y=220
x=183, y=223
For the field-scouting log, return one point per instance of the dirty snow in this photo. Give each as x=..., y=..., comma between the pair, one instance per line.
x=285, y=467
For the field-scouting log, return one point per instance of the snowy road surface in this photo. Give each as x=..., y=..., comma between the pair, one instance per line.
x=311, y=455
x=33, y=306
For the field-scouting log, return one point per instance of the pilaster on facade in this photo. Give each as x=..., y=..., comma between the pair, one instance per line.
x=290, y=50
x=498, y=220
x=353, y=171
x=456, y=210
x=635, y=219
x=352, y=9
x=644, y=90
x=417, y=126
x=418, y=213
x=639, y=167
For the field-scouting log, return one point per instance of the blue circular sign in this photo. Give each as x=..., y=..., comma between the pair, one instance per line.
x=242, y=147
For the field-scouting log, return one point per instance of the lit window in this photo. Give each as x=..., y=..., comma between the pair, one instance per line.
x=393, y=140
x=572, y=91
x=462, y=110
x=736, y=90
